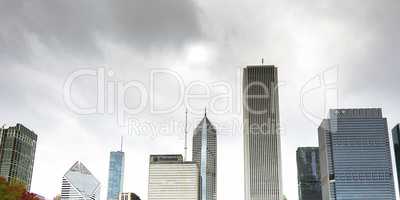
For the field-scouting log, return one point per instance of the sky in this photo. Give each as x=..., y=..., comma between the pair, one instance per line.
x=81, y=74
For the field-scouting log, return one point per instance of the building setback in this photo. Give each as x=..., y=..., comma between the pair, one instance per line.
x=308, y=173
x=205, y=155
x=115, y=174
x=79, y=184
x=170, y=178
x=355, y=156
x=262, y=144
x=17, y=154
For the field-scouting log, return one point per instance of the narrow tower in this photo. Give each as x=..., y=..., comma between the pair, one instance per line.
x=205, y=154
x=186, y=135
x=116, y=173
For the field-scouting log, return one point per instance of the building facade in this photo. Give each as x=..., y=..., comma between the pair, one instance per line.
x=170, y=178
x=262, y=144
x=396, y=146
x=79, y=184
x=308, y=173
x=205, y=155
x=355, y=156
x=115, y=174
x=17, y=154
x=128, y=196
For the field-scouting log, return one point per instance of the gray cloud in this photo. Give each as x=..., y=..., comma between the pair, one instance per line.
x=302, y=38
x=75, y=27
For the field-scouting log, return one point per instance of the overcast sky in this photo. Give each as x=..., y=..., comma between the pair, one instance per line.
x=329, y=54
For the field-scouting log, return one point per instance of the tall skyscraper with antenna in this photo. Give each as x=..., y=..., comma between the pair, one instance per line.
x=262, y=144
x=205, y=155
x=116, y=173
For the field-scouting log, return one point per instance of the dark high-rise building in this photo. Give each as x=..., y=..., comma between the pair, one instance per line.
x=262, y=144
x=355, y=156
x=308, y=173
x=205, y=154
x=17, y=154
x=115, y=174
x=396, y=146
x=128, y=196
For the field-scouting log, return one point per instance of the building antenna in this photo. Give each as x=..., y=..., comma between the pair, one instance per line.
x=122, y=142
x=186, y=134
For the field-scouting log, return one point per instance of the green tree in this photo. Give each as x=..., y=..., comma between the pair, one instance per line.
x=14, y=191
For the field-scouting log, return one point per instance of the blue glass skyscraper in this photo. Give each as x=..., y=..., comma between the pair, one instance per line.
x=355, y=156
x=116, y=174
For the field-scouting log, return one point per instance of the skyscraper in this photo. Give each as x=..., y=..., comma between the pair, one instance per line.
x=355, y=156
x=205, y=155
x=308, y=174
x=396, y=146
x=172, y=178
x=262, y=144
x=115, y=175
x=79, y=184
x=17, y=154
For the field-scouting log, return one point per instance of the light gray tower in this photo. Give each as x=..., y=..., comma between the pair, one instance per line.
x=205, y=154
x=355, y=156
x=262, y=144
x=171, y=178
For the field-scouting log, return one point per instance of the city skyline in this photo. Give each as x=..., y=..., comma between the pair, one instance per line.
x=80, y=74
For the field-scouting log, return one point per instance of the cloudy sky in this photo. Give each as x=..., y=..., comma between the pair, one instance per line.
x=81, y=74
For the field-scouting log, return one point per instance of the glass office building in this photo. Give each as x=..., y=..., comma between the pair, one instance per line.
x=355, y=156
x=17, y=154
x=116, y=174
x=205, y=155
x=308, y=173
x=79, y=184
x=262, y=143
